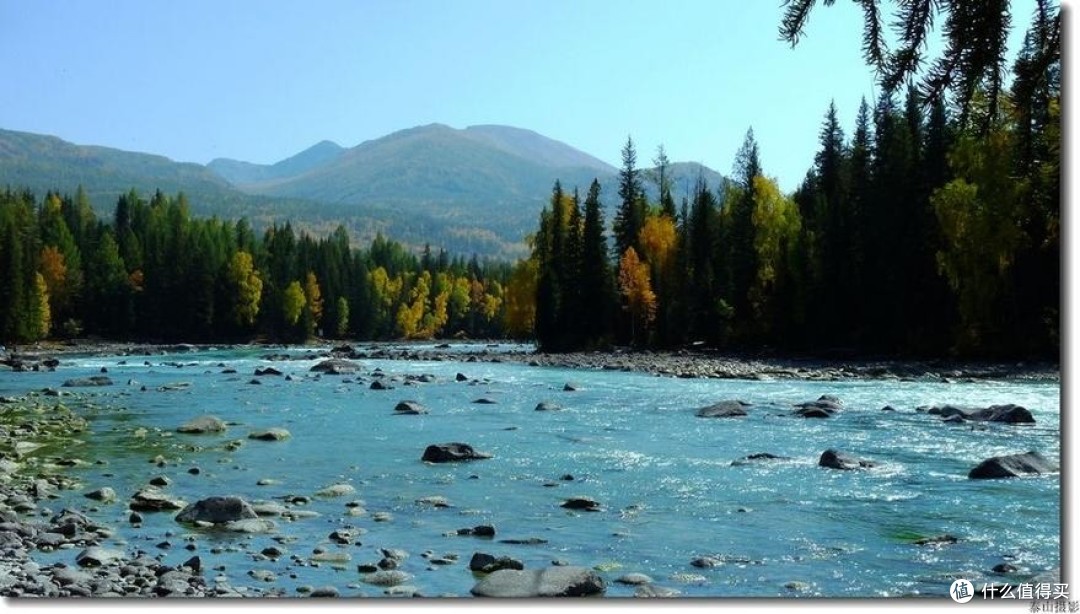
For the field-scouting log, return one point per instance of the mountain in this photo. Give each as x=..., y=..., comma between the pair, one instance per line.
x=536, y=147
x=241, y=173
x=42, y=163
x=474, y=190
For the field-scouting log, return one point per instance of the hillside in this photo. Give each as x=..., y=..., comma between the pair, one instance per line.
x=476, y=190
x=241, y=173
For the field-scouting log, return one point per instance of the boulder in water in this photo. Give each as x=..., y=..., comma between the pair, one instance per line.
x=203, y=425
x=557, y=581
x=217, y=510
x=723, y=409
x=410, y=408
x=336, y=366
x=832, y=459
x=86, y=382
x=153, y=500
x=274, y=434
x=451, y=452
x=1011, y=466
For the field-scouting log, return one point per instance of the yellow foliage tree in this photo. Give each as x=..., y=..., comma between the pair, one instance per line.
x=43, y=317
x=519, y=319
x=313, y=294
x=246, y=286
x=54, y=271
x=410, y=315
x=657, y=239
x=293, y=303
x=636, y=287
x=776, y=222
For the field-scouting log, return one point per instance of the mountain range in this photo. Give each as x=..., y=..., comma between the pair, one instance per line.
x=474, y=190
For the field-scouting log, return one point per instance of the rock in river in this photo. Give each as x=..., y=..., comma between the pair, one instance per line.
x=336, y=366
x=449, y=452
x=723, y=409
x=217, y=510
x=96, y=557
x=153, y=500
x=410, y=407
x=581, y=503
x=1008, y=414
x=203, y=424
x=565, y=581
x=839, y=460
x=86, y=382
x=1011, y=466
x=274, y=434
x=103, y=494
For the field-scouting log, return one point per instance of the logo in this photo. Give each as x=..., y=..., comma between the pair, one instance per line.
x=962, y=591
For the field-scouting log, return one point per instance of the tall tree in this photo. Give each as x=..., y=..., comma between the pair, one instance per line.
x=738, y=216
x=597, y=292
x=630, y=215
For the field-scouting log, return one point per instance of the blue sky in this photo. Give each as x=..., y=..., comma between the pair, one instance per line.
x=260, y=81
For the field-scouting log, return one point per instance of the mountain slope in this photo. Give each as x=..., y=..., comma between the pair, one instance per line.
x=478, y=190
x=536, y=147
x=41, y=163
x=241, y=173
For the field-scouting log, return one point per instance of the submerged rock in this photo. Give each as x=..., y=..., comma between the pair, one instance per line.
x=202, y=425
x=547, y=406
x=838, y=460
x=485, y=563
x=581, y=503
x=550, y=582
x=451, y=452
x=410, y=407
x=87, y=382
x=217, y=510
x=1008, y=413
x=336, y=366
x=1011, y=466
x=936, y=540
x=153, y=500
x=336, y=490
x=723, y=409
x=274, y=434
x=104, y=494
x=824, y=407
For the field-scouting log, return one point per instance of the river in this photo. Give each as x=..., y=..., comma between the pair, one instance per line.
x=665, y=481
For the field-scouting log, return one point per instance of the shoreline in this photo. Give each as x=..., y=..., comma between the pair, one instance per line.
x=690, y=364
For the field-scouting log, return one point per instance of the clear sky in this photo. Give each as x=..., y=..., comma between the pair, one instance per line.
x=262, y=80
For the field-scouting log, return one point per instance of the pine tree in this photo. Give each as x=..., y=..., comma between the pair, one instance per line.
x=739, y=236
x=631, y=212
x=597, y=292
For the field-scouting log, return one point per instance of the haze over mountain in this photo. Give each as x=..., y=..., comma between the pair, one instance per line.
x=473, y=190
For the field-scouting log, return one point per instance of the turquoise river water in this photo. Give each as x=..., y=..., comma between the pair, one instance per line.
x=664, y=477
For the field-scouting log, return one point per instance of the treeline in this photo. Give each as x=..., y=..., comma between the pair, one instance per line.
x=155, y=273
x=929, y=231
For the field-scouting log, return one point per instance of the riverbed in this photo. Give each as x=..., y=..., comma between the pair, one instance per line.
x=673, y=497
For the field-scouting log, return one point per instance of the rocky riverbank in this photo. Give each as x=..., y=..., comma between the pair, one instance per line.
x=691, y=364
x=684, y=363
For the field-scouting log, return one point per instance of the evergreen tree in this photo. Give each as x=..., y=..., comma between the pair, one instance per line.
x=596, y=287
x=738, y=237
x=630, y=215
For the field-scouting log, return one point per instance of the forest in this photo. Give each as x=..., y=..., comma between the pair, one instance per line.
x=933, y=230
x=156, y=273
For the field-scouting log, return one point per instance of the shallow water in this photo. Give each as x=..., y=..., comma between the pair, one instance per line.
x=631, y=441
